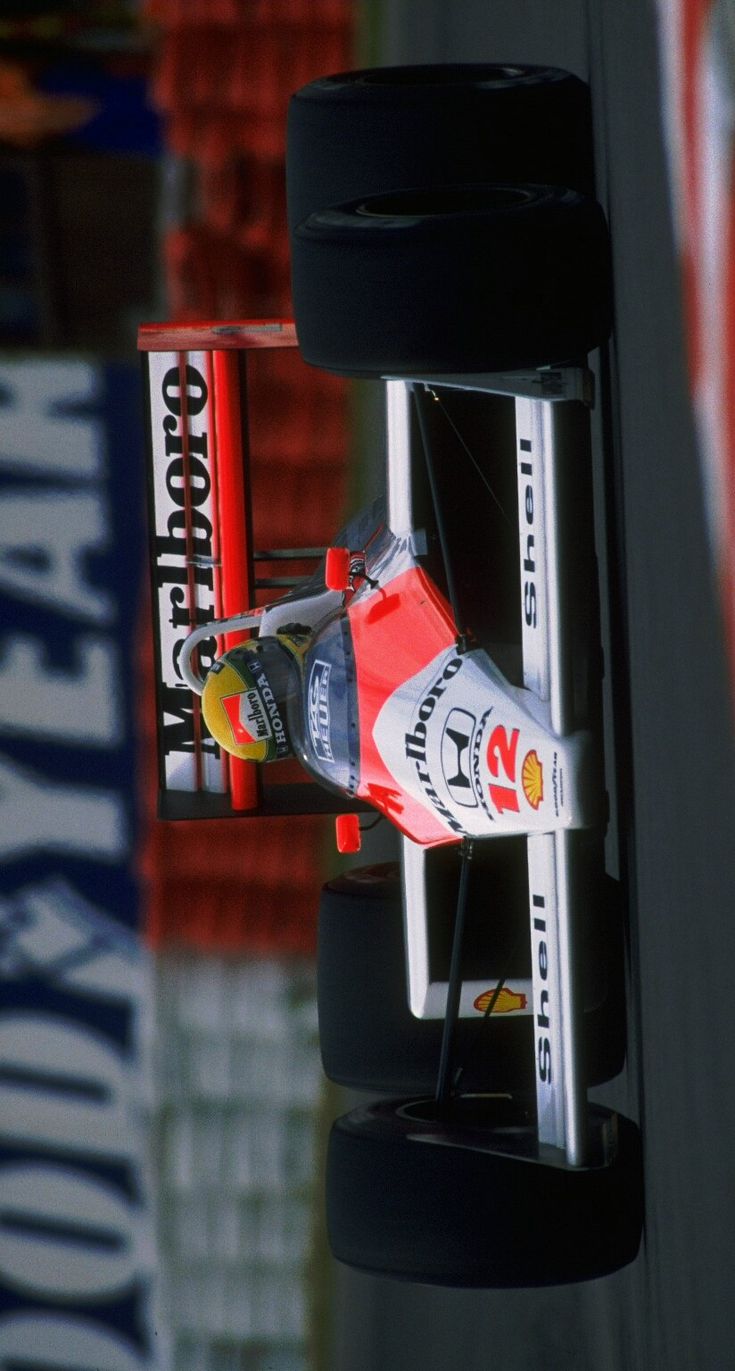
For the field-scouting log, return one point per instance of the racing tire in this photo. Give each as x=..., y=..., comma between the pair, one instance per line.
x=470, y=1202
x=472, y=278
x=364, y=132
x=370, y=1040
x=368, y=1037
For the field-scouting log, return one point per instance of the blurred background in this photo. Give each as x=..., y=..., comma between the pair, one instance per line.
x=160, y=1085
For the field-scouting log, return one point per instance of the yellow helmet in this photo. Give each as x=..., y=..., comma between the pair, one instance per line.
x=244, y=699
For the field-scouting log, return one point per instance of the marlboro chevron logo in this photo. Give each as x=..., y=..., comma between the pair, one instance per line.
x=247, y=718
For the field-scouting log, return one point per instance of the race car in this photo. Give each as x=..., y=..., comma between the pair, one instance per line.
x=441, y=666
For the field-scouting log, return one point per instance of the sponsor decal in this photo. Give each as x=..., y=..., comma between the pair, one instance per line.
x=246, y=717
x=528, y=550
x=557, y=783
x=543, y=1022
x=476, y=776
x=502, y=749
x=502, y=761
x=77, y=1237
x=532, y=561
x=269, y=700
x=319, y=713
x=508, y=1000
x=185, y=560
x=455, y=756
x=415, y=741
x=532, y=779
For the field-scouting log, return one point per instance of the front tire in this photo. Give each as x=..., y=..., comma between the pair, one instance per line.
x=470, y=1202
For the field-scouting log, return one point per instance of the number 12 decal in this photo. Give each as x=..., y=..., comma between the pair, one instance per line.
x=501, y=760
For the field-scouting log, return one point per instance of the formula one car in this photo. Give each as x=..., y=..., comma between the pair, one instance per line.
x=441, y=664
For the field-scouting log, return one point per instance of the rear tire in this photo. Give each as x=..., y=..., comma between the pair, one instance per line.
x=364, y=132
x=369, y=1038
x=473, y=278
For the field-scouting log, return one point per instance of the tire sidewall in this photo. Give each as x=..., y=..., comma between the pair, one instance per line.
x=369, y=1038
x=440, y=1204
x=520, y=281
x=359, y=133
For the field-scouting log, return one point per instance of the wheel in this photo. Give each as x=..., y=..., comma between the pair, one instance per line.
x=365, y=132
x=466, y=279
x=368, y=1037
x=470, y=1203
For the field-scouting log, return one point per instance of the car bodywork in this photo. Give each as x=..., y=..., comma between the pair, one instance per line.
x=449, y=744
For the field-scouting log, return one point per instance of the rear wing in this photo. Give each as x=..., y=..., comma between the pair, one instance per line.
x=204, y=565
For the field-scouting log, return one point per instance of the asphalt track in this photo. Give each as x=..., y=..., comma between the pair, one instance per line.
x=672, y=1308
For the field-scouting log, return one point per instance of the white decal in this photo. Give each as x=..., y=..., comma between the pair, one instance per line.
x=37, y=814
x=42, y=432
x=56, y=1342
x=186, y=556
x=319, y=710
x=66, y=1234
x=83, y=705
x=45, y=537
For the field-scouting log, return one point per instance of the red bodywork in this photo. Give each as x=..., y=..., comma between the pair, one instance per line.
x=396, y=633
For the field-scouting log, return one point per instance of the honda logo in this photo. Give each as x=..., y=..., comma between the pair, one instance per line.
x=455, y=755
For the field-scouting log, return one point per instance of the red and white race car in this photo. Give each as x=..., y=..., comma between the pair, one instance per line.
x=441, y=665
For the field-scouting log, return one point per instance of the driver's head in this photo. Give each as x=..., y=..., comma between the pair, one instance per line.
x=244, y=699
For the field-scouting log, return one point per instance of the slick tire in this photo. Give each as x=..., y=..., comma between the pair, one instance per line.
x=365, y=132
x=468, y=1202
x=368, y=1037
x=473, y=278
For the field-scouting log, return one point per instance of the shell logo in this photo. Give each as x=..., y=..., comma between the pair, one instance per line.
x=508, y=1000
x=532, y=779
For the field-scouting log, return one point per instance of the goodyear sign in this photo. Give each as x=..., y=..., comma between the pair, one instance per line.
x=76, y=1249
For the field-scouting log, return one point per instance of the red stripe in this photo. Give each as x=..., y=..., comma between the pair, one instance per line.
x=728, y=577
x=237, y=587
x=202, y=335
x=190, y=553
x=216, y=553
x=694, y=28
x=396, y=633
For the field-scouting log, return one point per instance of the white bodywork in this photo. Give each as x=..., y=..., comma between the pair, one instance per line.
x=551, y=995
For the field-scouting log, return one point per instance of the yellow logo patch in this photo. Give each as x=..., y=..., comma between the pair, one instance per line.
x=532, y=779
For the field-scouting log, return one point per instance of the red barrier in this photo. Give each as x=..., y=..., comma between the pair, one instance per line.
x=225, y=72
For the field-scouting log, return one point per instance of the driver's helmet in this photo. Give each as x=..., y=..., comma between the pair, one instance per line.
x=245, y=695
